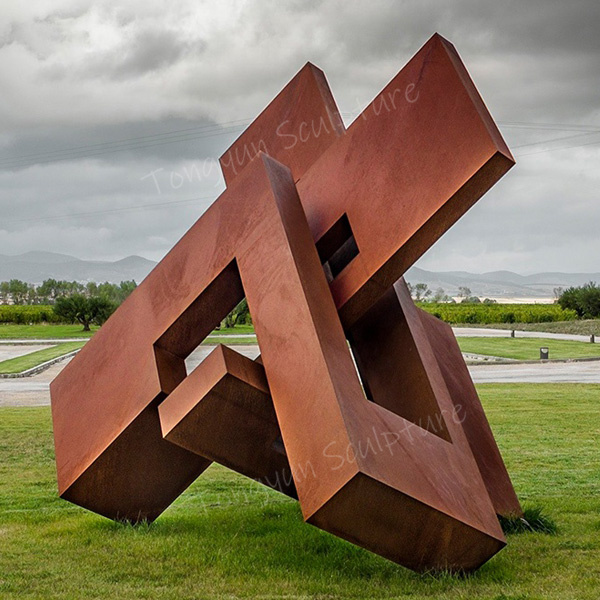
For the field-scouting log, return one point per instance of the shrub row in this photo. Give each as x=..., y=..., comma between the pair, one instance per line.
x=498, y=313
x=451, y=313
x=26, y=314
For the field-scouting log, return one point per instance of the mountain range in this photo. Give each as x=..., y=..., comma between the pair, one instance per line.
x=35, y=267
x=500, y=284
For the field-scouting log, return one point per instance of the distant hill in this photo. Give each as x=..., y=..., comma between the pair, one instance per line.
x=35, y=267
x=500, y=284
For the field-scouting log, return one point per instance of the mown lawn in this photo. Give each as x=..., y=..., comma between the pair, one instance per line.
x=527, y=348
x=233, y=330
x=33, y=359
x=227, y=537
x=43, y=331
x=578, y=326
x=52, y=331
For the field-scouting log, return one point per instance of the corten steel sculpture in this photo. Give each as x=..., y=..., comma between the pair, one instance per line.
x=315, y=228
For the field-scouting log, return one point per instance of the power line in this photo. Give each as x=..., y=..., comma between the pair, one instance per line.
x=558, y=139
x=213, y=130
x=198, y=129
x=550, y=126
x=112, y=210
x=133, y=146
x=561, y=148
x=172, y=203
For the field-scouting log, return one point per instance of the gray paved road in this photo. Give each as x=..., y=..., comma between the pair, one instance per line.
x=34, y=391
x=29, y=391
x=8, y=351
x=574, y=372
x=482, y=332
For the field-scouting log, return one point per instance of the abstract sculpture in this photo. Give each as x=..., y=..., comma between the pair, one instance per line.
x=392, y=450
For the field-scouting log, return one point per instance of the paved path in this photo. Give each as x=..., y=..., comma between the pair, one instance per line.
x=573, y=372
x=30, y=391
x=482, y=332
x=34, y=391
x=7, y=352
x=196, y=357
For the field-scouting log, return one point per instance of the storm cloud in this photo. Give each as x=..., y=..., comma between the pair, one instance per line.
x=112, y=117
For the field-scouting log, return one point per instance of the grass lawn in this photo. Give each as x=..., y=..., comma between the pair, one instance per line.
x=229, y=339
x=33, y=359
x=43, y=331
x=527, y=348
x=48, y=331
x=579, y=327
x=227, y=537
x=233, y=330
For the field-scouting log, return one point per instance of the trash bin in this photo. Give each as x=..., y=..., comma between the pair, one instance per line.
x=544, y=353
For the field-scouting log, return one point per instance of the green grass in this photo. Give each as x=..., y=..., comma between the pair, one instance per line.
x=50, y=331
x=532, y=519
x=578, y=327
x=527, y=348
x=231, y=340
x=43, y=331
x=227, y=537
x=233, y=330
x=33, y=359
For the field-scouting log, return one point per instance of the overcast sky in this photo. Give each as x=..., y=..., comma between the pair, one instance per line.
x=112, y=118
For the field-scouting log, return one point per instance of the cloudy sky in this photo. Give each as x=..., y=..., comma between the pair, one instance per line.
x=112, y=118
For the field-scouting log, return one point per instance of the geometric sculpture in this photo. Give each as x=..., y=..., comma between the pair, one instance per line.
x=360, y=404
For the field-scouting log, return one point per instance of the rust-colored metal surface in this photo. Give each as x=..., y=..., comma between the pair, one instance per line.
x=316, y=227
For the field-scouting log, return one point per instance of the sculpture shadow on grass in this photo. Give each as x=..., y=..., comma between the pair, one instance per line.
x=271, y=541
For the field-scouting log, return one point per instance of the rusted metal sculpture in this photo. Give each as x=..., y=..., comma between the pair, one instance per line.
x=316, y=226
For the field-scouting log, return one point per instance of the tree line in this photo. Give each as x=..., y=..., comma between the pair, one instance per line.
x=71, y=301
x=420, y=292
x=20, y=292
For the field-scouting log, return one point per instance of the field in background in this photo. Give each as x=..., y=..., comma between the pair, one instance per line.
x=26, y=314
x=527, y=348
x=26, y=322
x=497, y=313
x=579, y=327
x=229, y=537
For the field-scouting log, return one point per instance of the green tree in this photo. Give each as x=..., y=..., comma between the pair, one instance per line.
x=464, y=291
x=467, y=296
x=46, y=290
x=238, y=316
x=4, y=292
x=112, y=291
x=125, y=288
x=584, y=300
x=18, y=291
x=91, y=288
x=84, y=310
x=440, y=296
x=51, y=289
x=420, y=292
